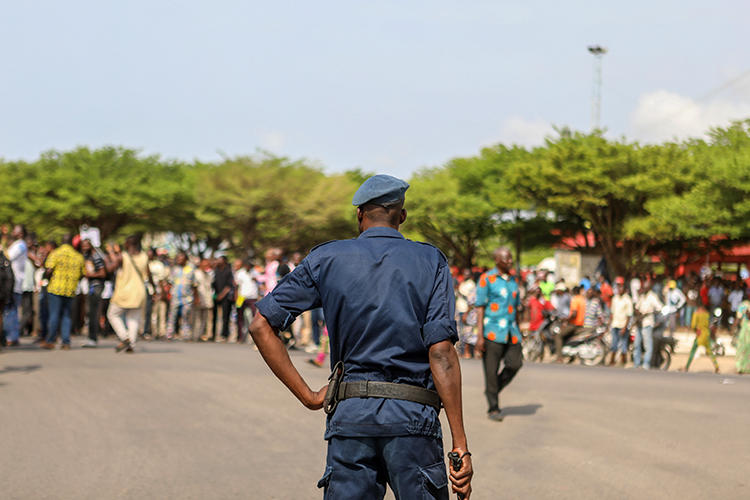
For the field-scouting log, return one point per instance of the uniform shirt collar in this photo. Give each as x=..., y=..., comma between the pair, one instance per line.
x=381, y=232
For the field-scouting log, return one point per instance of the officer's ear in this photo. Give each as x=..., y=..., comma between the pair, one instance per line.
x=402, y=217
x=360, y=214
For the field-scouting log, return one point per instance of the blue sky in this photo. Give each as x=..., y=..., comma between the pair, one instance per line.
x=388, y=86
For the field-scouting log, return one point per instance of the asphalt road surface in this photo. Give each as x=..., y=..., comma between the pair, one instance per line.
x=209, y=421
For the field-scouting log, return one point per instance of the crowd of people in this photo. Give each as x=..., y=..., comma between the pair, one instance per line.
x=76, y=288
x=642, y=306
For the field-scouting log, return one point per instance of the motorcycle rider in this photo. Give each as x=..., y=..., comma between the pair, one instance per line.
x=576, y=319
x=595, y=312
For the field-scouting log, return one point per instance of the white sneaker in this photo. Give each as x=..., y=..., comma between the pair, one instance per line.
x=89, y=343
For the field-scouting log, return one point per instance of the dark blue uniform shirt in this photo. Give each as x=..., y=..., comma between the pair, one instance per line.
x=386, y=301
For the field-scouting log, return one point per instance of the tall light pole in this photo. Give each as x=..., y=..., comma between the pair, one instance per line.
x=596, y=97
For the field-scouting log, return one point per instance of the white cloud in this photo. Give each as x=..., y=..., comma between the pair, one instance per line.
x=517, y=130
x=663, y=115
x=272, y=141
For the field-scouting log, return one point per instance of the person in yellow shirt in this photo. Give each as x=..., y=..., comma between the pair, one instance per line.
x=702, y=337
x=65, y=268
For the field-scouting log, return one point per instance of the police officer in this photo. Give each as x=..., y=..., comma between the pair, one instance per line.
x=389, y=310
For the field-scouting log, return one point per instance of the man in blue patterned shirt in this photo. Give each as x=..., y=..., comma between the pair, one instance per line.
x=498, y=301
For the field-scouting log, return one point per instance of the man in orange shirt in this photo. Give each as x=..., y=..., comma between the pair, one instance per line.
x=577, y=315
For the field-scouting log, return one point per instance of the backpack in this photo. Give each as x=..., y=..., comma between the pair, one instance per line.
x=7, y=280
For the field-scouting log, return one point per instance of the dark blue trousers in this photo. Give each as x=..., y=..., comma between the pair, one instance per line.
x=360, y=468
x=59, y=316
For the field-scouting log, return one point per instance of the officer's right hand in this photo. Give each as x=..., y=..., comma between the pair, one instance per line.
x=316, y=399
x=461, y=480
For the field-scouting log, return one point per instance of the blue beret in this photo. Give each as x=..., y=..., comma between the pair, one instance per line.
x=380, y=190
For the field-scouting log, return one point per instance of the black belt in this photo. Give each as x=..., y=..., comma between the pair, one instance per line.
x=371, y=389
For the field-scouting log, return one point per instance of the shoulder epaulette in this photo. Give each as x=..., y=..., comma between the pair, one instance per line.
x=432, y=246
x=323, y=244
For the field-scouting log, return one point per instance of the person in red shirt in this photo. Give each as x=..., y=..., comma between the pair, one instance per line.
x=704, y=292
x=606, y=292
x=537, y=306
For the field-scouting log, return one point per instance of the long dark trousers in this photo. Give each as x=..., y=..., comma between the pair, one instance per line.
x=494, y=382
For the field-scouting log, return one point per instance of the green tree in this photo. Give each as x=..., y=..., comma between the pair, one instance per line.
x=111, y=188
x=454, y=219
x=606, y=184
x=520, y=221
x=258, y=202
x=713, y=200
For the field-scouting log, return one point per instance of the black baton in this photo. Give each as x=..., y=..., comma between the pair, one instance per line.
x=457, y=461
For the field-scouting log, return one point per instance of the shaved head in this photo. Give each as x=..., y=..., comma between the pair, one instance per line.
x=370, y=215
x=503, y=259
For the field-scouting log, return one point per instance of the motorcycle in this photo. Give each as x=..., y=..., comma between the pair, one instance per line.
x=663, y=346
x=587, y=346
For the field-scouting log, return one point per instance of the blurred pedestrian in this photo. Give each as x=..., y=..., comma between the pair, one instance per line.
x=675, y=301
x=65, y=268
x=27, y=297
x=742, y=357
x=204, y=291
x=158, y=266
x=702, y=337
x=466, y=296
x=96, y=272
x=247, y=296
x=605, y=293
x=42, y=282
x=7, y=281
x=622, y=313
x=647, y=307
x=223, y=297
x=129, y=295
x=499, y=338
x=16, y=254
x=180, y=319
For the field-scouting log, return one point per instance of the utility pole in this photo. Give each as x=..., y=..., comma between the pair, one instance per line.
x=596, y=97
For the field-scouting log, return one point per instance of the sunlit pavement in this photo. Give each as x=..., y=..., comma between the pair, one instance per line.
x=179, y=420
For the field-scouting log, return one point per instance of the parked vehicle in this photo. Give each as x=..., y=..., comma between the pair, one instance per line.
x=663, y=345
x=588, y=346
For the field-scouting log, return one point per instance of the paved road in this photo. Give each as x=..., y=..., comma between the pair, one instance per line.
x=205, y=421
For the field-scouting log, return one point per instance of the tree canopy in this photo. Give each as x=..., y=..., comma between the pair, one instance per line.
x=631, y=199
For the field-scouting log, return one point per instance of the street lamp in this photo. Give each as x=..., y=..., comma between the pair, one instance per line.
x=596, y=97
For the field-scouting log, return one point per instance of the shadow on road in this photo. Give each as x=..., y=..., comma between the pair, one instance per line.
x=156, y=351
x=24, y=347
x=24, y=369
x=521, y=410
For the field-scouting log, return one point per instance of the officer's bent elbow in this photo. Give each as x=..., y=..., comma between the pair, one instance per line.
x=259, y=325
x=442, y=351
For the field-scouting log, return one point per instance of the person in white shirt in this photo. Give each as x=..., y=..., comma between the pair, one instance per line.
x=675, y=302
x=16, y=253
x=647, y=306
x=27, y=299
x=635, y=288
x=622, y=311
x=247, y=296
x=204, y=277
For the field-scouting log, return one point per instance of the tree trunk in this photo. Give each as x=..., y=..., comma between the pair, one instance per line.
x=518, y=244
